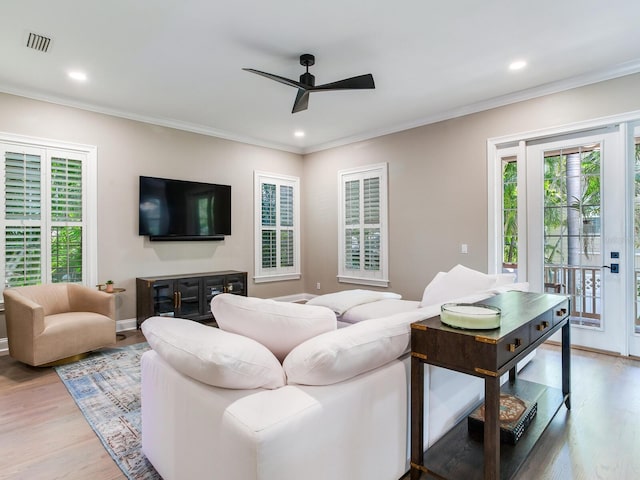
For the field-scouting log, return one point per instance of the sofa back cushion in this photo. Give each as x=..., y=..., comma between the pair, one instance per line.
x=459, y=282
x=213, y=356
x=337, y=356
x=279, y=326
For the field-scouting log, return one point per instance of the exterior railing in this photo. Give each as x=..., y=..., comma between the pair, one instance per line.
x=582, y=285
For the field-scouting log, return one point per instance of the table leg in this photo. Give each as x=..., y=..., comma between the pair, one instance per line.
x=417, y=417
x=566, y=364
x=492, y=428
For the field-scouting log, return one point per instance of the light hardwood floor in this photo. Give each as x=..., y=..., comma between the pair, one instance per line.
x=44, y=436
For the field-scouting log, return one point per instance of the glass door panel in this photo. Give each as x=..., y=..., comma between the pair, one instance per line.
x=572, y=253
x=634, y=338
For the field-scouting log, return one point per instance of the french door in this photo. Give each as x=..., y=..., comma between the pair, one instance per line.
x=576, y=210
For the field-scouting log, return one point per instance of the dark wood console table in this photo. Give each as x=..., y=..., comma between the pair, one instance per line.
x=528, y=319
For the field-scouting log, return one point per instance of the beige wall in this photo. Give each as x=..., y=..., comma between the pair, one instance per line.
x=438, y=184
x=127, y=149
x=437, y=187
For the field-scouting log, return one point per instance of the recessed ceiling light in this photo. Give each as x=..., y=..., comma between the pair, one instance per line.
x=298, y=133
x=79, y=76
x=517, y=65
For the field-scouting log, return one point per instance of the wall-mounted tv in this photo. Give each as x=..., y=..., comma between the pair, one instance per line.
x=183, y=210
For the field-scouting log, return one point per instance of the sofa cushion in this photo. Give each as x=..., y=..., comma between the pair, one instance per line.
x=340, y=302
x=337, y=356
x=458, y=282
x=279, y=326
x=213, y=356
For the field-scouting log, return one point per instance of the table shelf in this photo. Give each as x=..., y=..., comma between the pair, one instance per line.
x=461, y=455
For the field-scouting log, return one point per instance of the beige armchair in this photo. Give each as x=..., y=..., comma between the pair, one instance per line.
x=46, y=323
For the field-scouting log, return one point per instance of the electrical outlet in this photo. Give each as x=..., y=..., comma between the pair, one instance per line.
x=318, y=286
x=464, y=248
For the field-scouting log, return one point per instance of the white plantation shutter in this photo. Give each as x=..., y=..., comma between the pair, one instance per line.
x=22, y=217
x=363, y=226
x=66, y=189
x=43, y=206
x=22, y=186
x=23, y=256
x=277, y=227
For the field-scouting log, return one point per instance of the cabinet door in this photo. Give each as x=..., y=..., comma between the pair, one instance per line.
x=236, y=284
x=212, y=286
x=189, y=297
x=164, y=301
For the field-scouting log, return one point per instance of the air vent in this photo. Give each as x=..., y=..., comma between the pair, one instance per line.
x=38, y=42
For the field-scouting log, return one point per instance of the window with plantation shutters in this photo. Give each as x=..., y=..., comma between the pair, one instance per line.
x=277, y=239
x=44, y=210
x=363, y=226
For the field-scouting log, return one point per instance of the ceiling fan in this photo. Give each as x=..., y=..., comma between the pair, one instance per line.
x=306, y=85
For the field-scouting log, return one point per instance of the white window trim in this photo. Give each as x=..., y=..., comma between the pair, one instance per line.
x=90, y=194
x=376, y=279
x=277, y=274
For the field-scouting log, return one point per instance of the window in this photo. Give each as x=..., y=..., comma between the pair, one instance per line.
x=277, y=237
x=363, y=243
x=46, y=230
x=509, y=213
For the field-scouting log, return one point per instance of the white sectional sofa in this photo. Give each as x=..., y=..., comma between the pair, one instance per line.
x=219, y=405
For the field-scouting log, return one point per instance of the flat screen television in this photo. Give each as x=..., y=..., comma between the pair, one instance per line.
x=183, y=210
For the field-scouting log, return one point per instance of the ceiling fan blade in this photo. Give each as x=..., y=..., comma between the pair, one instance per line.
x=302, y=101
x=354, y=83
x=277, y=78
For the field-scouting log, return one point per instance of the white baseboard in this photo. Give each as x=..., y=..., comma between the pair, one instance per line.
x=294, y=298
x=121, y=326
x=126, y=325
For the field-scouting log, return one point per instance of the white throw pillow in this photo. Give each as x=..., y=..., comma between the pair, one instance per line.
x=212, y=356
x=337, y=356
x=460, y=281
x=279, y=326
x=340, y=302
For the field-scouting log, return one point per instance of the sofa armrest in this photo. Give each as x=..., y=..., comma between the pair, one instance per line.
x=85, y=299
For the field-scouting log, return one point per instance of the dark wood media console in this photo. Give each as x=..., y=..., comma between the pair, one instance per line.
x=528, y=319
x=185, y=296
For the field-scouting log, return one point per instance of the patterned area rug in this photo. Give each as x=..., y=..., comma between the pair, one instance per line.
x=106, y=387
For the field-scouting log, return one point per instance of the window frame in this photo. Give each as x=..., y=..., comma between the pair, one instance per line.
x=277, y=274
x=375, y=278
x=48, y=149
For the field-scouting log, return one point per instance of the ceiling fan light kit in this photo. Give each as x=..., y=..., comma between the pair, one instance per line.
x=307, y=83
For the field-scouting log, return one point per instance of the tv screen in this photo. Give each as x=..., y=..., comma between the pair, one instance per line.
x=183, y=210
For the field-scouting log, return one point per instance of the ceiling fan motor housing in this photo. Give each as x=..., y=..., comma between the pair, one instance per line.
x=308, y=79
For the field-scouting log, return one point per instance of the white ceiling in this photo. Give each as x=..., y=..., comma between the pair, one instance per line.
x=179, y=62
